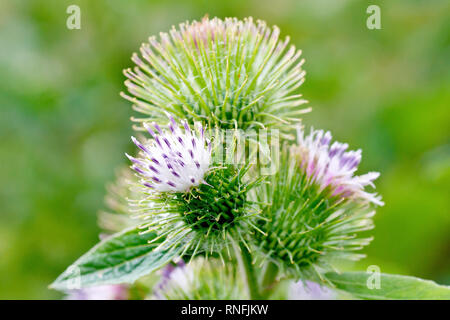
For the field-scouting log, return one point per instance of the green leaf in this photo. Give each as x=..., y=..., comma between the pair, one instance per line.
x=121, y=258
x=390, y=286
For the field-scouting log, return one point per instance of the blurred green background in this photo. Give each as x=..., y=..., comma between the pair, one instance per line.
x=64, y=129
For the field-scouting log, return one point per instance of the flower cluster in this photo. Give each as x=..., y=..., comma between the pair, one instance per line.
x=209, y=216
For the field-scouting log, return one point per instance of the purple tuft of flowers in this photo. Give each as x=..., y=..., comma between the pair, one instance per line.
x=331, y=165
x=175, y=160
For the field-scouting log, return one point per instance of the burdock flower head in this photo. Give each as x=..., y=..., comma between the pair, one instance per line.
x=333, y=166
x=190, y=201
x=226, y=73
x=317, y=207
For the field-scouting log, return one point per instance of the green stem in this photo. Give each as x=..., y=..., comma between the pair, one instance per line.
x=268, y=280
x=252, y=283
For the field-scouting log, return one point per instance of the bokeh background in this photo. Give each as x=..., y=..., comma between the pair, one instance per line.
x=64, y=129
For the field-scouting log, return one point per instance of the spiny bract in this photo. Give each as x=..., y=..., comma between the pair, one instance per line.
x=226, y=73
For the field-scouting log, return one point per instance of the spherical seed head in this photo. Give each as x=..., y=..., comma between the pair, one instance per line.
x=229, y=73
x=316, y=210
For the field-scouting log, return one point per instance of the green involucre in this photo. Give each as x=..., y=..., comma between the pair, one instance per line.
x=203, y=219
x=306, y=228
